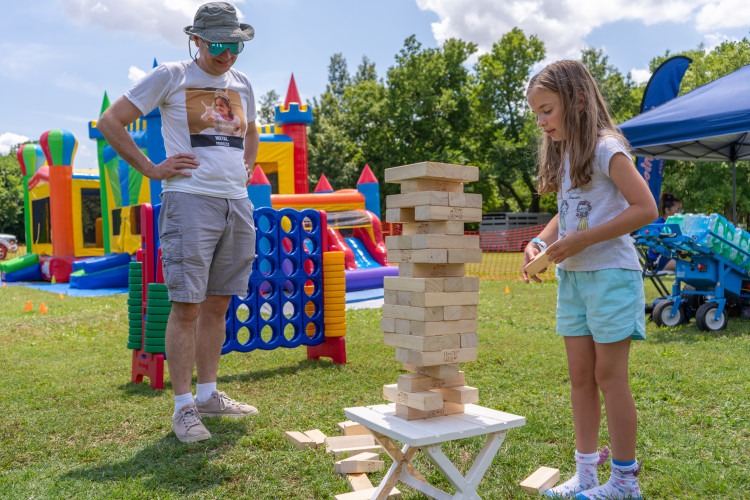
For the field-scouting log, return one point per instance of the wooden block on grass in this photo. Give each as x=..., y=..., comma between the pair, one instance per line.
x=359, y=481
x=349, y=428
x=342, y=442
x=424, y=400
x=317, y=436
x=362, y=462
x=355, y=450
x=541, y=480
x=366, y=494
x=299, y=440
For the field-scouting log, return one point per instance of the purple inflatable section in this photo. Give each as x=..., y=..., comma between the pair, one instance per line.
x=362, y=279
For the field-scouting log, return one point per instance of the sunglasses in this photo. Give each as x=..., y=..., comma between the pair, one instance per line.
x=216, y=49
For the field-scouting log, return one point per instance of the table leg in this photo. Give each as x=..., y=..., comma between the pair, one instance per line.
x=401, y=465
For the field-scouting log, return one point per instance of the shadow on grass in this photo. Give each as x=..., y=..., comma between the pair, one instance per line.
x=280, y=371
x=168, y=465
x=690, y=333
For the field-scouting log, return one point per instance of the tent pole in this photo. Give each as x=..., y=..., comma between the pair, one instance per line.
x=734, y=194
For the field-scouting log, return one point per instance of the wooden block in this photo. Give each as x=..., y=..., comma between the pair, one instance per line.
x=349, y=428
x=541, y=480
x=399, y=215
x=317, y=436
x=436, y=213
x=415, y=382
x=466, y=200
x=412, y=270
x=355, y=450
x=463, y=255
x=438, y=198
x=463, y=395
x=431, y=285
x=452, y=313
x=362, y=462
x=432, y=171
x=436, y=299
x=423, y=343
x=469, y=339
x=359, y=481
x=435, y=227
x=427, y=185
x=425, y=256
x=415, y=313
x=440, y=371
x=539, y=264
x=299, y=440
x=426, y=241
x=413, y=414
x=424, y=400
x=366, y=494
x=445, y=357
x=436, y=327
x=388, y=324
x=334, y=443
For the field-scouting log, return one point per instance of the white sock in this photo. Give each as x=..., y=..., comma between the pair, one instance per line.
x=203, y=391
x=622, y=484
x=584, y=478
x=182, y=400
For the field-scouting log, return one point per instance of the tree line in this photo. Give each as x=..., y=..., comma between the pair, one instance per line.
x=449, y=105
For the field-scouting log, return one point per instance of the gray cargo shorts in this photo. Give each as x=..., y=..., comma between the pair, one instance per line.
x=207, y=244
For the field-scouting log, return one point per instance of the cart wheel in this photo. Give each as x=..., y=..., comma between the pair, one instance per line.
x=705, y=317
x=662, y=316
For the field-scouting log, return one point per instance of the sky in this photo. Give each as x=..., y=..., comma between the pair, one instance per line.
x=58, y=57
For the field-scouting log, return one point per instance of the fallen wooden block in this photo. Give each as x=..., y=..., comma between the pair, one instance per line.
x=361, y=462
x=317, y=436
x=366, y=494
x=342, y=453
x=541, y=480
x=349, y=428
x=299, y=440
x=359, y=481
x=337, y=442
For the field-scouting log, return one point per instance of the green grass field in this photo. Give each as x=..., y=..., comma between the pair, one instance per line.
x=73, y=425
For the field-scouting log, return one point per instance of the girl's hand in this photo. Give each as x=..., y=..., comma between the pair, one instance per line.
x=529, y=253
x=569, y=245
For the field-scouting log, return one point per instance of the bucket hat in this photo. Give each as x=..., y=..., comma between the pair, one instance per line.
x=216, y=22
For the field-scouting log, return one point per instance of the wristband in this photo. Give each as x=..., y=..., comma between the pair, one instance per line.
x=540, y=243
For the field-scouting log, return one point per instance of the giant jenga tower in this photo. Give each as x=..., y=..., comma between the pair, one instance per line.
x=430, y=310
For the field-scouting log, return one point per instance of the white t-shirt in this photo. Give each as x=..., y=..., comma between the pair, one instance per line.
x=593, y=205
x=197, y=120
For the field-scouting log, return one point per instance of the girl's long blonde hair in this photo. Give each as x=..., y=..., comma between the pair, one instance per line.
x=584, y=119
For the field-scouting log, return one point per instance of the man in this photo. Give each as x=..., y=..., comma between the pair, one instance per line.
x=206, y=223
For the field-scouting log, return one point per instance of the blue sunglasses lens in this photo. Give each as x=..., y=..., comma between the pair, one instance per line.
x=216, y=49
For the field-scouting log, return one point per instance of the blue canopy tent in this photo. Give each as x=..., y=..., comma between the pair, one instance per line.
x=710, y=123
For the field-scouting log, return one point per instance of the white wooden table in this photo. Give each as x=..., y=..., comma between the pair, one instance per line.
x=428, y=435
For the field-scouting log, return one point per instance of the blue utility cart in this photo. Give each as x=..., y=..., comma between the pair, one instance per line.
x=714, y=266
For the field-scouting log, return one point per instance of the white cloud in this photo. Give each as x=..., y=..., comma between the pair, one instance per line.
x=640, y=75
x=135, y=73
x=9, y=139
x=153, y=18
x=22, y=61
x=563, y=25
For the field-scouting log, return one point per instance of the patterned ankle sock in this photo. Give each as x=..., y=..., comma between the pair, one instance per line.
x=203, y=391
x=622, y=484
x=584, y=478
x=182, y=400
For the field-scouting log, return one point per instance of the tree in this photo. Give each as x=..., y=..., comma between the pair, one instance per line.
x=267, y=110
x=503, y=135
x=618, y=91
x=11, y=196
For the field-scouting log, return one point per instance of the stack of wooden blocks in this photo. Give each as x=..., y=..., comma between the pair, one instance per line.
x=430, y=310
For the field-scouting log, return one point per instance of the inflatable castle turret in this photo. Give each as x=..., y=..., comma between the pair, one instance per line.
x=293, y=117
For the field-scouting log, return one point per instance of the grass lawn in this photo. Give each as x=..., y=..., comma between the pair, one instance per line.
x=73, y=426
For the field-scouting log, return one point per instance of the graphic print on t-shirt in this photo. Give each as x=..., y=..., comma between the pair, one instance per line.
x=215, y=118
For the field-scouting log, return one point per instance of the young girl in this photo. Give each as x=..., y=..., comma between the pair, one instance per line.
x=600, y=300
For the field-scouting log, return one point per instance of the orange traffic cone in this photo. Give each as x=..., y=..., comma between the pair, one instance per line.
x=61, y=296
x=28, y=307
x=507, y=289
x=43, y=308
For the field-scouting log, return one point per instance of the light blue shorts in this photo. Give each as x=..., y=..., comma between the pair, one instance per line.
x=608, y=304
